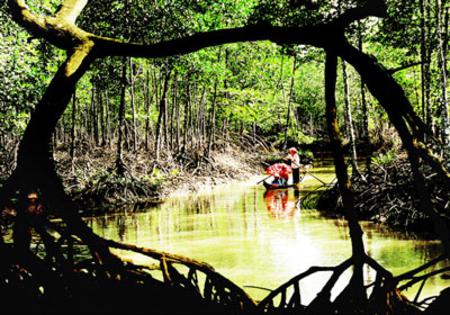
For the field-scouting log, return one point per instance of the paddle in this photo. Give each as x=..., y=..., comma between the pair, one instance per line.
x=263, y=179
x=306, y=172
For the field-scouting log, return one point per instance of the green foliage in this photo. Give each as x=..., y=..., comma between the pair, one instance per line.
x=384, y=159
x=249, y=84
x=297, y=136
x=25, y=70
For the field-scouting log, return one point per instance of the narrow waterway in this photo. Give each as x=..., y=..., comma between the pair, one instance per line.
x=263, y=240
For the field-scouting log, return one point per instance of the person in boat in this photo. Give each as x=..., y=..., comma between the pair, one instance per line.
x=294, y=160
x=280, y=172
x=284, y=174
x=277, y=180
x=281, y=178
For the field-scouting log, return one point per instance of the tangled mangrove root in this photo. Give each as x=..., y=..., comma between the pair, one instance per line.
x=384, y=299
x=63, y=280
x=383, y=296
x=92, y=178
x=108, y=190
x=168, y=284
x=389, y=197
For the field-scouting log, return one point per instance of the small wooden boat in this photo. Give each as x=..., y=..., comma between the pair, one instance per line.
x=277, y=186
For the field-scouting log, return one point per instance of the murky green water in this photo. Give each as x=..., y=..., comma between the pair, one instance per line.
x=263, y=240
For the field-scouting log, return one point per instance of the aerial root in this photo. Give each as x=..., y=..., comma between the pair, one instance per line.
x=191, y=281
x=382, y=296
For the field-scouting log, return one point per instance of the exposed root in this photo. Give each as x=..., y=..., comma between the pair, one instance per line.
x=390, y=197
x=173, y=284
x=92, y=181
x=411, y=278
x=382, y=297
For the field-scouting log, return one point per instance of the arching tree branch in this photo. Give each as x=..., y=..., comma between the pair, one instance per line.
x=59, y=30
x=70, y=10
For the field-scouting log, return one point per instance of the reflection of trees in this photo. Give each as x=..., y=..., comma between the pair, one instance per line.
x=121, y=226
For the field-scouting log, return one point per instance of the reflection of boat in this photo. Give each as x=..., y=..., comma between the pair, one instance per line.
x=278, y=204
x=276, y=186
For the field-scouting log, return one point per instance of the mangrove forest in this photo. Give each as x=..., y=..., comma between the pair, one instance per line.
x=224, y=157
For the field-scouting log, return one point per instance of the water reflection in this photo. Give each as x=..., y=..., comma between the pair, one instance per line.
x=261, y=239
x=278, y=204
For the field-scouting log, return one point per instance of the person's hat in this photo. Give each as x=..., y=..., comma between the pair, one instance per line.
x=293, y=150
x=32, y=195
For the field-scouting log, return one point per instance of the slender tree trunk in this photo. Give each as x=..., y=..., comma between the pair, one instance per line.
x=178, y=124
x=108, y=119
x=162, y=113
x=291, y=96
x=102, y=117
x=133, y=104
x=157, y=87
x=212, y=125
x=83, y=111
x=425, y=56
x=442, y=62
x=349, y=122
x=365, y=113
x=201, y=118
x=226, y=122
x=192, y=102
x=94, y=118
x=72, y=129
x=165, y=124
x=62, y=126
x=356, y=233
x=148, y=101
x=120, y=166
x=212, y=121
x=186, y=115
x=172, y=111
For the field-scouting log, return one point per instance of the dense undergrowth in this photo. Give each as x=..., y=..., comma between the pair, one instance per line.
x=92, y=179
x=388, y=196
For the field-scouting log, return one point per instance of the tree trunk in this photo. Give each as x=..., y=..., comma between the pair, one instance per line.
x=356, y=232
x=172, y=111
x=102, y=117
x=35, y=163
x=148, y=101
x=212, y=121
x=162, y=113
x=212, y=125
x=425, y=56
x=178, y=126
x=165, y=124
x=72, y=129
x=94, y=117
x=108, y=119
x=291, y=96
x=388, y=92
x=349, y=122
x=133, y=105
x=201, y=118
x=365, y=114
x=186, y=115
x=120, y=165
x=442, y=62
